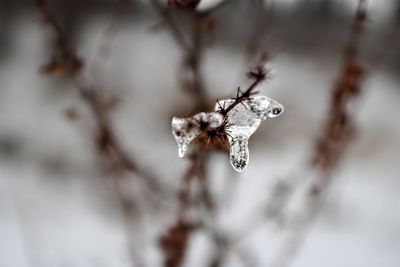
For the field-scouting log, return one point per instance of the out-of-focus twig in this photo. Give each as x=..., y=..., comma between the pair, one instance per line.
x=174, y=241
x=106, y=140
x=167, y=17
x=333, y=142
x=64, y=60
x=260, y=28
x=192, y=47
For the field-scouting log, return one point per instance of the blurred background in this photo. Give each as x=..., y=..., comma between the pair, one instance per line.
x=89, y=170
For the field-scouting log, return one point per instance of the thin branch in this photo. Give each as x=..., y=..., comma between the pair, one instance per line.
x=258, y=75
x=174, y=242
x=167, y=17
x=107, y=142
x=334, y=139
x=65, y=60
x=192, y=49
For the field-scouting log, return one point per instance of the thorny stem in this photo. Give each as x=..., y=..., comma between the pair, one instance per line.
x=258, y=74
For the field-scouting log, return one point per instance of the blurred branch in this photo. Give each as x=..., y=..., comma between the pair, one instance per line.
x=107, y=142
x=64, y=60
x=192, y=47
x=174, y=241
x=167, y=17
x=333, y=141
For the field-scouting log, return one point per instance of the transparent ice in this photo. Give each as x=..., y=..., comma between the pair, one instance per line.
x=242, y=121
x=185, y=130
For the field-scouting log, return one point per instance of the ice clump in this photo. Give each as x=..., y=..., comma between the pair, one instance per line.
x=242, y=121
x=185, y=130
x=239, y=124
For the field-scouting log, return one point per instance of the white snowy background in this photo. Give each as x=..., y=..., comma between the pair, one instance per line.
x=56, y=210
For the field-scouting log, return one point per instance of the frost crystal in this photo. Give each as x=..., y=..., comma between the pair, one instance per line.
x=185, y=130
x=242, y=121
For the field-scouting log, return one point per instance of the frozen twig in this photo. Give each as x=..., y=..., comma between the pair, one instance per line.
x=258, y=74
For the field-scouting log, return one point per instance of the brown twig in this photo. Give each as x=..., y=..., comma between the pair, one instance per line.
x=258, y=74
x=174, y=242
x=106, y=138
x=193, y=53
x=192, y=47
x=334, y=139
x=64, y=60
x=107, y=142
x=338, y=126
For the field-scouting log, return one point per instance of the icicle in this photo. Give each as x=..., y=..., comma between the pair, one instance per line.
x=242, y=121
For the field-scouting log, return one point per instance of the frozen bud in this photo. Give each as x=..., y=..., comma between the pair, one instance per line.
x=185, y=130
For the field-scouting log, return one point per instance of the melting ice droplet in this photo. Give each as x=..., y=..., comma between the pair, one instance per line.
x=185, y=130
x=242, y=121
x=265, y=107
x=182, y=135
